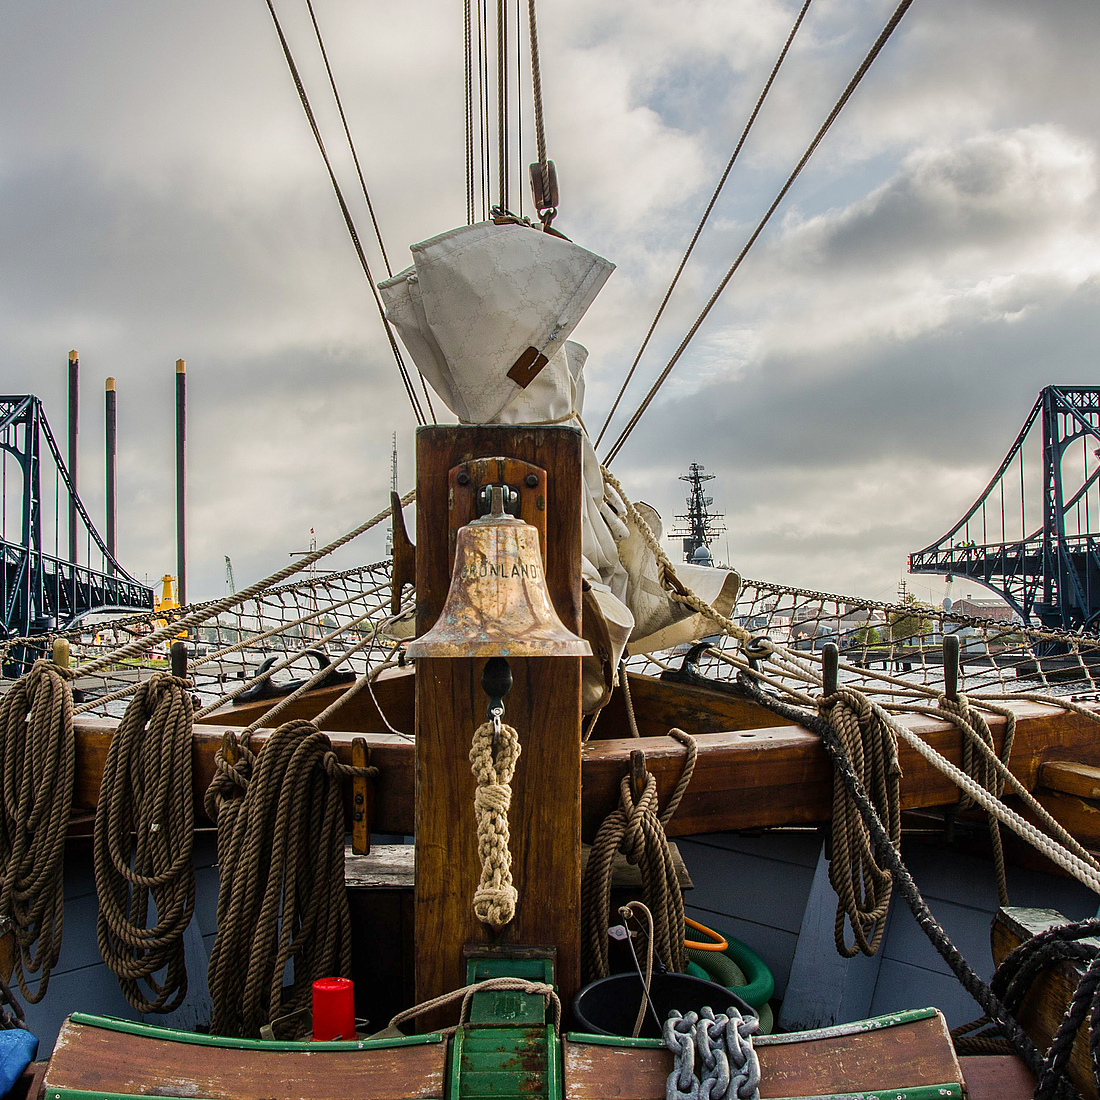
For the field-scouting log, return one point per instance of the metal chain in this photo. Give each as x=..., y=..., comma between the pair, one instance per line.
x=728, y=1062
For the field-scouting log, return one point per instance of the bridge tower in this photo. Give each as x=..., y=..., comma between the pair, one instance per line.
x=702, y=526
x=41, y=591
x=1051, y=573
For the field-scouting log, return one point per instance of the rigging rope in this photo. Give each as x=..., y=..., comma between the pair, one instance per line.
x=469, y=109
x=206, y=611
x=281, y=865
x=881, y=41
x=347, y=134
x=348, y=220
x=144, y=838
x=890, y=858
x=38, y=755
x=502, y=104
x=706, y=214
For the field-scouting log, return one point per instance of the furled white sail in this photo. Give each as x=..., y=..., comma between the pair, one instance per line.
x=485, y=312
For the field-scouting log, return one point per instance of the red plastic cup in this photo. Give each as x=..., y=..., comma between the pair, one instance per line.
x=333, y=1008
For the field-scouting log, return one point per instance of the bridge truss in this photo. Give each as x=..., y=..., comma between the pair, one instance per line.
x=1051, y=573
x=40, y=591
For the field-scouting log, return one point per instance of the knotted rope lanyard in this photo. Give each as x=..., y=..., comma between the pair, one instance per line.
x=493, y=757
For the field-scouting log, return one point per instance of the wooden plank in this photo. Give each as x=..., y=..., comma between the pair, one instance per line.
x=902, y=1057
x=997, y=1077
x=744, y=779
x=393, y=865
x=1071, y=777
x=97, y=1059
x=1042, y=1010
x=1079, y=816
x=544, y=706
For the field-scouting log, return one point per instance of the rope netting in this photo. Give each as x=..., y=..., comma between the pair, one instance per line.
x=327, y=627
x=892, y=652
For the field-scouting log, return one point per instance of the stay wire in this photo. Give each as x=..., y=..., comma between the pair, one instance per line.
x=502, y=103
x=417, y=410
x=347, y=134
x=706, y=213
x=469, y=108
x=881, y=41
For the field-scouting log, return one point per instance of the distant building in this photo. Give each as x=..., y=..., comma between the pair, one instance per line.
x=983, y=608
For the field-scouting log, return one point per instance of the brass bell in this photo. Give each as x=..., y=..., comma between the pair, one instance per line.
x=498, y=604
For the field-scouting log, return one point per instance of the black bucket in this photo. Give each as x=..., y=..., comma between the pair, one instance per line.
x=609, y=1006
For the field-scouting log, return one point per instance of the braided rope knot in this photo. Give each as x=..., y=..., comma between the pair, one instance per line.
x=722, y=1044
x=495, y=898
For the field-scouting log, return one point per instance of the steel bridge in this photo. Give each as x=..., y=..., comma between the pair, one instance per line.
x=42, y=591
x=1051, y=574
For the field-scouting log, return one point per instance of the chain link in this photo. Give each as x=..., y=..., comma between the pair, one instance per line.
x=727, y=1060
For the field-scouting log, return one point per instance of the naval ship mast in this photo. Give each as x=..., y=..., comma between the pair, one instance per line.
x=702, y=526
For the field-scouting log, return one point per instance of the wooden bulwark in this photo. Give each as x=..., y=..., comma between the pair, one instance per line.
x=908, y=1054
x=113, y=1058
x=744, y=778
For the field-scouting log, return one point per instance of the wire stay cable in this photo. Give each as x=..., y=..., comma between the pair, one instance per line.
x=881, y=41
x=706, y=213
x=348, y=220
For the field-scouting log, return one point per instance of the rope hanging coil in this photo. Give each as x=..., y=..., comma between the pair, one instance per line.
x=144, y=839
x=862, y=886
x=281, y=864
x=39, y=756
x=495, y=898
x=637, y=830
x=980, y=767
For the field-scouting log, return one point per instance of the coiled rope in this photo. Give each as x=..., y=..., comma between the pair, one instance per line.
x=281, y=864
x=863, y=887
x=636, y=829
x=38, y=754
x=144, y=838
x=495, y=898
x=981, y=768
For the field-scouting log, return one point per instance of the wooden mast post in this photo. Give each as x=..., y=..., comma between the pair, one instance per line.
x=544, y=705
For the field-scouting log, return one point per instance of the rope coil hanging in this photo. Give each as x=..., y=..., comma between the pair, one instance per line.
x=281, y=864
x=636, y=829
x=862, y=886
x=495, y=898
x=144, y=839
x=38, y=751
x=980, y=767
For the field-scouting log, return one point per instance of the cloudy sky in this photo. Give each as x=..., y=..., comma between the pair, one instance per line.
x=937, y=263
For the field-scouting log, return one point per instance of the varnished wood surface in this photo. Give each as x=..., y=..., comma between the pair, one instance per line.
x=1043, y=1008
x=95, y=1059
x=543, y=705
x=906, y=1056
x=743, y=779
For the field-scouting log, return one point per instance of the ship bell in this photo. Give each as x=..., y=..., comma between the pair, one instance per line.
x=498, y=603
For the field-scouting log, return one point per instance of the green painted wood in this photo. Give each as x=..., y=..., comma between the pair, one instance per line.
x=167, y=1034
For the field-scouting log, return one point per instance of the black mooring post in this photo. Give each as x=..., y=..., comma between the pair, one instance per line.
x=178, y=656
x=74, y=416
x=830, y=668
x=109, y=465
x=181, y=481
x=951, y=667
